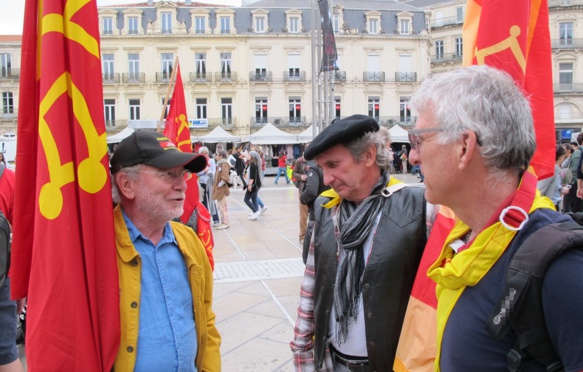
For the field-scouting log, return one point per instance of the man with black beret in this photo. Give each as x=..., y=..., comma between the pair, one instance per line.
x=369, y=235
x=166, y=282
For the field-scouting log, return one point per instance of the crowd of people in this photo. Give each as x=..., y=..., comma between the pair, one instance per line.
x=364, y=236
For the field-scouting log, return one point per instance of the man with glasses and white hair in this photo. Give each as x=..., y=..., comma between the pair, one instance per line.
x=166, y=282
x=474, y=140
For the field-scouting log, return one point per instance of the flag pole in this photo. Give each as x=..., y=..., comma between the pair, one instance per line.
x=172, y=77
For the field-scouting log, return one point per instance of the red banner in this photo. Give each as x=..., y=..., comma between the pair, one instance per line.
x=63, y=256
x=178, y=130
x=514, y=36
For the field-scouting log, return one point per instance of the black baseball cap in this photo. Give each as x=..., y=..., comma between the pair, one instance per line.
x=156, y=150
x=341, y=131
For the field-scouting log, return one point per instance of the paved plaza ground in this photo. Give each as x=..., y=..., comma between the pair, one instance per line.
x=258, y=273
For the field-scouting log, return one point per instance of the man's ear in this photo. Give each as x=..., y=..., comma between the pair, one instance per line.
x=469, y=145
x=125, y=185
x=369, y=157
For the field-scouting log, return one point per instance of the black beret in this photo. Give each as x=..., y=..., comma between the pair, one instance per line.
x=341, y=131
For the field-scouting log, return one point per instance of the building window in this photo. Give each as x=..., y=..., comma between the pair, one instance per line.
x=201, y=108
x=167, y=107
x=7, y=103
x=374, y=107
x=261, y=110
x=295, y=110
x=260, y=24
x=566, y=33
x=133, y=67
x=260, y=66
x=109, y=112
x=227, y=110
x=405, y=109
x=199, y=25
x=405, y=26
x=293, y=60
x=439, y=49
x=336, y=23
x=565, y=76
x=226, y=65
x=107, y=67
x=294, y=23
x=166, y=23
x=167, y=65
x=6, y=65
x=460, y=13
x=337, y=108
x=134, y=109
x=107, y=25
x=133, y=25
x=200, y=65
x=225, y=25
x=459, y=46
x=373, y=26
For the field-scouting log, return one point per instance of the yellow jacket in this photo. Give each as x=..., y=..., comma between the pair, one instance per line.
x=200, y=277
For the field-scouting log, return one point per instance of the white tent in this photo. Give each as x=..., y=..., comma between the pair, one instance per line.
x=399, y=134
x=116, y=138
x=270, y=135
x=215, y=136
x=307, y=135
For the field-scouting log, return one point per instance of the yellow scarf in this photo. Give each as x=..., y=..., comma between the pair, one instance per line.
x=336, y=199
x=454, y=272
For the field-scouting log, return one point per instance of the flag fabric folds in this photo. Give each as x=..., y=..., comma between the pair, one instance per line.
x=177, y=130
x=513, y=36
x=64, y=257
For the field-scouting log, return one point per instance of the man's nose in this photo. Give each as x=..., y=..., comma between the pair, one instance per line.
x=414, y=157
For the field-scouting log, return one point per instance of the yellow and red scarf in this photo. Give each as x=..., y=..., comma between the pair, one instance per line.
x=453, y=272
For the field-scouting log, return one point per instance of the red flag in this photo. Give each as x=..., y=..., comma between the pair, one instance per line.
x=178, y=130
x=64, y=256
x=514, y=36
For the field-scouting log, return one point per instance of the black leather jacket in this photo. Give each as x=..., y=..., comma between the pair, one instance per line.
x=387, y=279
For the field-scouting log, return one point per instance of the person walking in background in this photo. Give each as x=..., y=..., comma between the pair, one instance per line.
x=166, y=282
x=475, y=158
x=253, y=182
x=552, y=187
x=282, y=167
x=404, y=159
x=299, y=177
x=221, y=188
x=571, y=201
x=206, y=180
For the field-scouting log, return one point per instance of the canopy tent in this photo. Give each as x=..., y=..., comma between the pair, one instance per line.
x=215, y=136
x=118, y=137
x=307, y=135
x=270, y=135
x=399, y=134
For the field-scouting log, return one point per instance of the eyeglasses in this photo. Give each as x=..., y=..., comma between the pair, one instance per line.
x=416, y=140
x=170, y=176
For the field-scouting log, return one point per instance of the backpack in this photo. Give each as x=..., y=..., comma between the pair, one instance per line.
x=4, y=248
x=520, y=306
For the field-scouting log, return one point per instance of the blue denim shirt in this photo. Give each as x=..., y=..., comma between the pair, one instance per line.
x=167, y=335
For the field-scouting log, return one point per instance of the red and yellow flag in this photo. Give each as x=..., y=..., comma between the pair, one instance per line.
x=514, y=36
x=64, y=257
x=178, y=130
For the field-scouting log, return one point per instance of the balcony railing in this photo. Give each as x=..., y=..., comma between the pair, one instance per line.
x=226, y=123
x=447, y=21
x=279, y=121
x=407, y=77
x=373, y=76
x=163, y=77
x=403, y=121
x=225, y=77
x=340, y=76
x=299, y=76
x=260, y=77
x=568, y=88
x=444, y=58
x=9, y=73
x=567, y=43
x=200, y=77
x=111, y=78
x=135, y=78
x=560, y=3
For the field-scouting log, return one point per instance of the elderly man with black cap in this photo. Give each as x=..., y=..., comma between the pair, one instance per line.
x=369, y=235
x=166, y=282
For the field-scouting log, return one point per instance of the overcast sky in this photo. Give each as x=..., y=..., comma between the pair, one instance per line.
x=12, y=12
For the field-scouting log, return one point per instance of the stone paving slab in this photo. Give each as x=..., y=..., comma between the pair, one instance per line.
x=258, y=270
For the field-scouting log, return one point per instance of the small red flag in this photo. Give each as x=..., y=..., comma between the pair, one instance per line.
x=513, y=36
x=178, y=130
x=64, y=256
